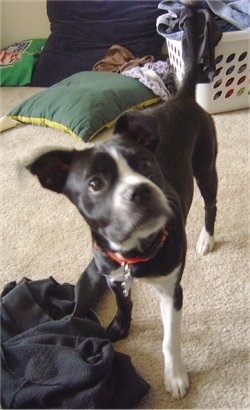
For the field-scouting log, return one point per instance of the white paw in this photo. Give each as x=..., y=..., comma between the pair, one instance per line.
x=177, y=382
x=205, y=242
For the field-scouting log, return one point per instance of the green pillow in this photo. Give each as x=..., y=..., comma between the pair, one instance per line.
x=84, y=103
x=18, y=60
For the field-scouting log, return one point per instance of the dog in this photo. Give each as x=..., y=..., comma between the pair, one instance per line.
x=135, y=192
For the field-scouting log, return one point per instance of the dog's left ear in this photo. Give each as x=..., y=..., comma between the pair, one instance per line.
x=140, y=127
x=52, y=169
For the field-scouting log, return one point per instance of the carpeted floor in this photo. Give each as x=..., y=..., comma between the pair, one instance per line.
x=43, y=235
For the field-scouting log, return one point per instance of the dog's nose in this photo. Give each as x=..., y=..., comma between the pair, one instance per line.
x=138, y=194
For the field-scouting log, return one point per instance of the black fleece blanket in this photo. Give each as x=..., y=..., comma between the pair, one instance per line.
x=51, y=359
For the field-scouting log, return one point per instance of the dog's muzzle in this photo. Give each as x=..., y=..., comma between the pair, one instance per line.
x=138, y=194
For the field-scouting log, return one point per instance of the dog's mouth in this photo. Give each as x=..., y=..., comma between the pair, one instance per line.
x=150, y=245
x=142, y=238
x=149, y=248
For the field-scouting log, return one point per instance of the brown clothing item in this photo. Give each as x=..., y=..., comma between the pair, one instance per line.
x=118, y=59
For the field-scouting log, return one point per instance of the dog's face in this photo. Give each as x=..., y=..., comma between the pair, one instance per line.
x=117, y=186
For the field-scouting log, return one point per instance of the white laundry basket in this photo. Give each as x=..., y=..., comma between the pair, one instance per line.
x=229, y=89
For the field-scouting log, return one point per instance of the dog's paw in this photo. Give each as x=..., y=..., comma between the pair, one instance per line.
x=205, y=242
x=118, y=328
x=177, y=382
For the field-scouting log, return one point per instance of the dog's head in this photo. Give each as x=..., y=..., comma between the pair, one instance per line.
x=117, y=186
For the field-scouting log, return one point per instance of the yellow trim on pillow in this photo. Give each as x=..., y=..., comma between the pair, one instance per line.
x=58, y=126
x=44, y=122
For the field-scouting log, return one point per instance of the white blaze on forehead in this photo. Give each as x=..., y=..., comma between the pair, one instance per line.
x=127, y=179
x=125, y=171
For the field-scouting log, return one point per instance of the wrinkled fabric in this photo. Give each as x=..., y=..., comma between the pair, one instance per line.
x=171, y=26
x=51, y=359
x=230, y=14
x=234, y=12
x=158, y=76
x=118, y=59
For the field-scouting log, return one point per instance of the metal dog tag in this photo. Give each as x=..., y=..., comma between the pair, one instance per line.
x=126, y=284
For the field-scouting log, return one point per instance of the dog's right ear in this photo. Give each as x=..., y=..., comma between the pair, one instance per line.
x=52, y=169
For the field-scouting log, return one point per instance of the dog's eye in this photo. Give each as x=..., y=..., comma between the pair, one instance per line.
x=96, y=184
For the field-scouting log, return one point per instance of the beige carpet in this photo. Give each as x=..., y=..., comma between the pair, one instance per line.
x=43, y=235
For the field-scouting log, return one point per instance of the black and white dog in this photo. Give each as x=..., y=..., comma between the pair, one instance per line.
x=135, y=192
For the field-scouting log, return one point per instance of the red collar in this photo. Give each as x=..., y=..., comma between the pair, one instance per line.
x=137, y=259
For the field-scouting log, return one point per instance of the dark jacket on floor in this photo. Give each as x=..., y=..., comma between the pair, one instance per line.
x=51, y=359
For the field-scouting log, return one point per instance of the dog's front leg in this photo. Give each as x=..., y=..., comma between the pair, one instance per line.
x=119, y=327
x=88, y=290
x=175, y=375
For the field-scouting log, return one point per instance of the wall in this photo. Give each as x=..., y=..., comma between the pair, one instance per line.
x=23, y=19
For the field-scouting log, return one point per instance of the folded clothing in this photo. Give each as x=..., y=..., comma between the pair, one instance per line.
x=51, y=359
